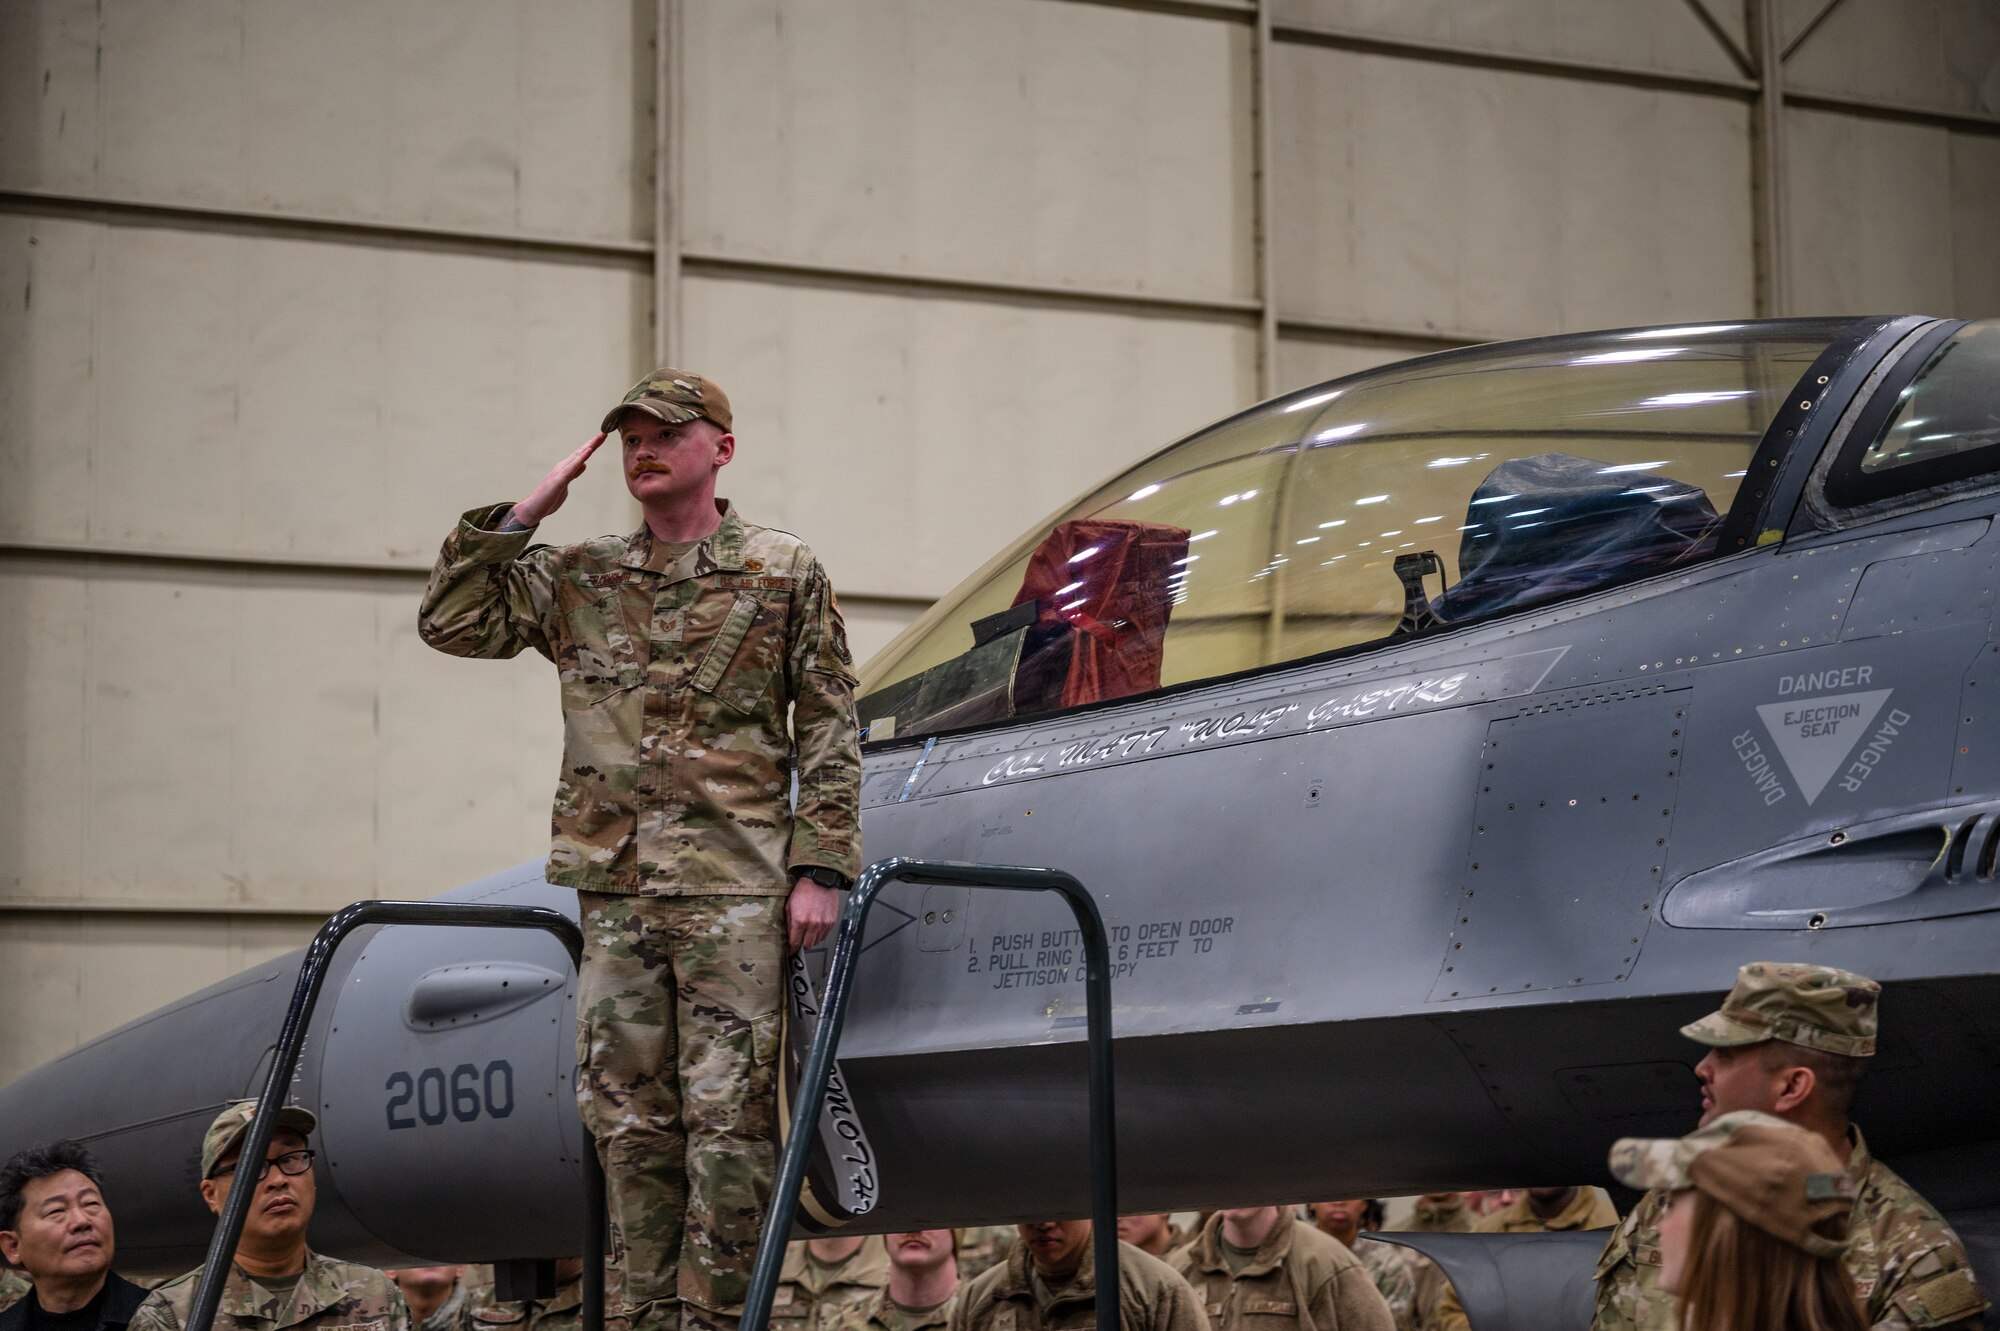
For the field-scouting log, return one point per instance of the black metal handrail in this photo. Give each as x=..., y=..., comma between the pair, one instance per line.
x=833, y=1012
x=284, y=1062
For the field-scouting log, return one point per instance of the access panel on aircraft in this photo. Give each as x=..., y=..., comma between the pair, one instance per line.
x=1417, y=497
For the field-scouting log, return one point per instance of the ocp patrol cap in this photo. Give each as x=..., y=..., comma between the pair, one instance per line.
x=230, y=1125
x=1781, y=1178
x=1817, y=1007
x=674, y=396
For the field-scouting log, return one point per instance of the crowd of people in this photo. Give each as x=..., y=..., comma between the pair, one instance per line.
x=1772, y=1214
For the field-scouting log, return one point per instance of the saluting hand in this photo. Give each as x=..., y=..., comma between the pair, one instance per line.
x=547, y=497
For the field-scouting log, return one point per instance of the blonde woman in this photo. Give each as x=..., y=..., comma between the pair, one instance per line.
x=1753, y=1237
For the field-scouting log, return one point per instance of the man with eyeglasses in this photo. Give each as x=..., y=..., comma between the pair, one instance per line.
x=275, y=1282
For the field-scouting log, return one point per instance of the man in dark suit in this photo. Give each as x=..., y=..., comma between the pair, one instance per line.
x=55, y=1226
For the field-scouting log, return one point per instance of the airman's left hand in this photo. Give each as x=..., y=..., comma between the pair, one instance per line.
x=810, y=913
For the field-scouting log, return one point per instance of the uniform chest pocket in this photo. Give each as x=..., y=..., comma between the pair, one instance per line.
x=787, y=1313
x=1263, y=1312
x=602, y=654
x=1266, y=1305
x=741, y=664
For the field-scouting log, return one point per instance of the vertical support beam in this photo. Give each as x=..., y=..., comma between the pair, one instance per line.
x=1264, y=225
x=1767, y=155
x=666, y=181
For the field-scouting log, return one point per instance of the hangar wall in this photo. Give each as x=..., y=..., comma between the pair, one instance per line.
x=284, y=287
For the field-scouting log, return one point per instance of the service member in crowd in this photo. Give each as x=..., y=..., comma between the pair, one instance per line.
x=823, y=1278
x=275, y=1281
x=983, y=1247
x=1154, y=1235
x=1756, y=1220
x=1438, y=1213
x=1434, y=1213
x=1388, y=1265
x=436, y=1295
x=1486, y=1201
x=705, y=677
x=1049, y=1283
x=12, y=1286
x=561, y=1311
x=55, y=1225
x=1261, y=1268
x=923, y=1282
x=1793, y=1041
x=1536, y=1210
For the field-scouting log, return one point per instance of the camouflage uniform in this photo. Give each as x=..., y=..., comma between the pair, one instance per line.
x=1010, y=1297
x=1452, y=1217
x=330, y=1295
x=813, y=1296
x=676, y=679
x=1299, y=1277
x=561, y=1311
x=1589, y=1209
x=1395, y=1278
x=983, y=1248
x=454, y=1314
x=883, y=1313
x=1909, y=1268
x=673, y=820
x=12, y=1286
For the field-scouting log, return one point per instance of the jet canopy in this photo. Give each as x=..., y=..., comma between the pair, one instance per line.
x=1420, y=496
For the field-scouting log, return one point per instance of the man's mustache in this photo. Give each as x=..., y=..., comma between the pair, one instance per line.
x=641, y=468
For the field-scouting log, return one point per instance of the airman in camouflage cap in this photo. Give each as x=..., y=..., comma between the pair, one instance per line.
x=704, y=678
x=1908, y=1267
x=1814, y=1006
x=1780, y=1178
x=275, y=1282
x=673, y=396
x=230, y=1125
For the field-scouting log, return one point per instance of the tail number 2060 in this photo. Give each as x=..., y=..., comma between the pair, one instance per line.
x=465, y=1094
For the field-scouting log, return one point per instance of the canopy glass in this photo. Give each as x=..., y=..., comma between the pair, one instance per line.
x=1430, y=494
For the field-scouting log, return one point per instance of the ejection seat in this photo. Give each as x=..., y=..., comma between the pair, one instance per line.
x=1089, y=623
x=1542, y=528
x=1099, y=592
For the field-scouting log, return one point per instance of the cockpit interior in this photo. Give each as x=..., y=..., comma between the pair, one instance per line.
x=1415, y=498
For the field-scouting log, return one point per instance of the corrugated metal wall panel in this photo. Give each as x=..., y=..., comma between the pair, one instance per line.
x=1868, y=232
x=1009, y=140
x=237, y=738
x=1662, y=35
x=1501, y=203
x=512, y=116
x=1303, y=361
x=193, y=391
x=88, y=973
x=1942, y=54
x=906, y=438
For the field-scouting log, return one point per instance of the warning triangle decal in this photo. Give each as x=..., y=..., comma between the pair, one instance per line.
x=1815, y=735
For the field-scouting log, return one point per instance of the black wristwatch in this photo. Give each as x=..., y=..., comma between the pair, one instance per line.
x=825, y=877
